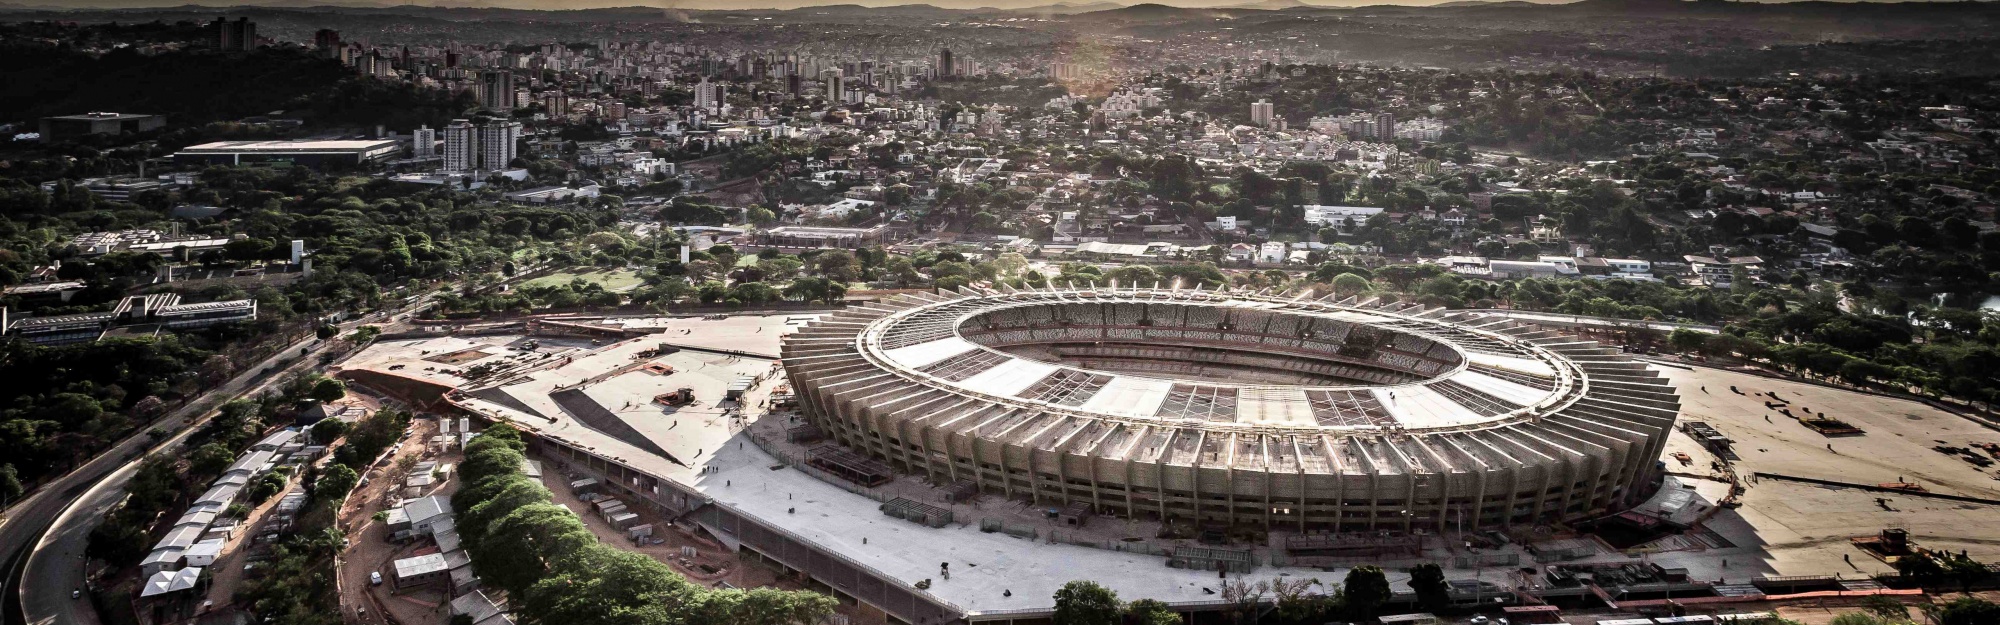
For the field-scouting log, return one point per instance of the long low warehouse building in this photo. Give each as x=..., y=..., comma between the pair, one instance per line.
x=310, y=153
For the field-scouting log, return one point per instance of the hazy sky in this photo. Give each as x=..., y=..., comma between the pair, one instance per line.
x=686, y=4
x=741, y=4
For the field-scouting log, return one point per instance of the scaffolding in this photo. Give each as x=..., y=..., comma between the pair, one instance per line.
x=916, y=512
x=849, y=466
x=1211, y=559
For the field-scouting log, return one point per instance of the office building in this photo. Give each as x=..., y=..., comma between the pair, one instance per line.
x=945, y=65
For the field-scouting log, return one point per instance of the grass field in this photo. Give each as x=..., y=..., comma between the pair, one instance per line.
x=614, y=280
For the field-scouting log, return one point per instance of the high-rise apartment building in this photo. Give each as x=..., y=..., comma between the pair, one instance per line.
x=484, y=146
x=424, y=145
x=237, y=36
x=461, y=144
x=1261, y=112
x=497, y=141
x=1385, y=126
x=496, y=90
x=945, y=65
x=327, y=42
x=709, y=96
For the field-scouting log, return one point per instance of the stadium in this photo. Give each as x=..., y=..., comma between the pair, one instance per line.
x=1224, y=409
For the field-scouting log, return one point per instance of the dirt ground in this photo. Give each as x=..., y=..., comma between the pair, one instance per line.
x=368, y=548
x=227, y=573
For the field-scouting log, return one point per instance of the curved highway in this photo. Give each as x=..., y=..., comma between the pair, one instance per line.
x=56, y=519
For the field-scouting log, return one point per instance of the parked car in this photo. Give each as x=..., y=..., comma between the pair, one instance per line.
x=374, y=578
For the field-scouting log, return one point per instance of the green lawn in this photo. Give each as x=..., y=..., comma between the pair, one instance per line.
x=614, y=280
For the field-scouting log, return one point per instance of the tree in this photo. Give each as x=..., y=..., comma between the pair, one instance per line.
x=328, y=430
x=1348, y=285
x=763, y=606
x=329, y=390
x=1294, y=600
x=1402, y=276
x=599, y=585
x=1965, y=611
x=485, y=462
x=264, y=487
x=118, y=542
x=1365, y=589
x=10, y=484
x=210, y=459
x=518, y=549
x=1885, y=608
x=1010, y=264
x=1685, y=340
x=1086, y=603
x=752, y=292
x=1967, y=571
x=1151, y=612
x=837, y=265
x=514, y=492
x=335, y=483
x=148, y=407
x=1428, y=580
x=1923, y=568
x=216, y=369
x=1243, y=598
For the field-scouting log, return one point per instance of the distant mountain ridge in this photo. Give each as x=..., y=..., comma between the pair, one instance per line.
x=1098, y=10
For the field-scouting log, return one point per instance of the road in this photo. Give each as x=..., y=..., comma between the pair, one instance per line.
x=71, y=506
x=1589, y=321
x=57, y=518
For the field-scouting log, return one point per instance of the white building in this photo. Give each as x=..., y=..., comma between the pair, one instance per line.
x=425, y=143
x=1420, y=129
x=1319, y=215
x=1272, y=252
x=1262, y=112
x=708, y=96
x=461, y=142
x=485, y=146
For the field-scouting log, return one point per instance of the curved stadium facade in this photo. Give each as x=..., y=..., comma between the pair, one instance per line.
x=1238, y=409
